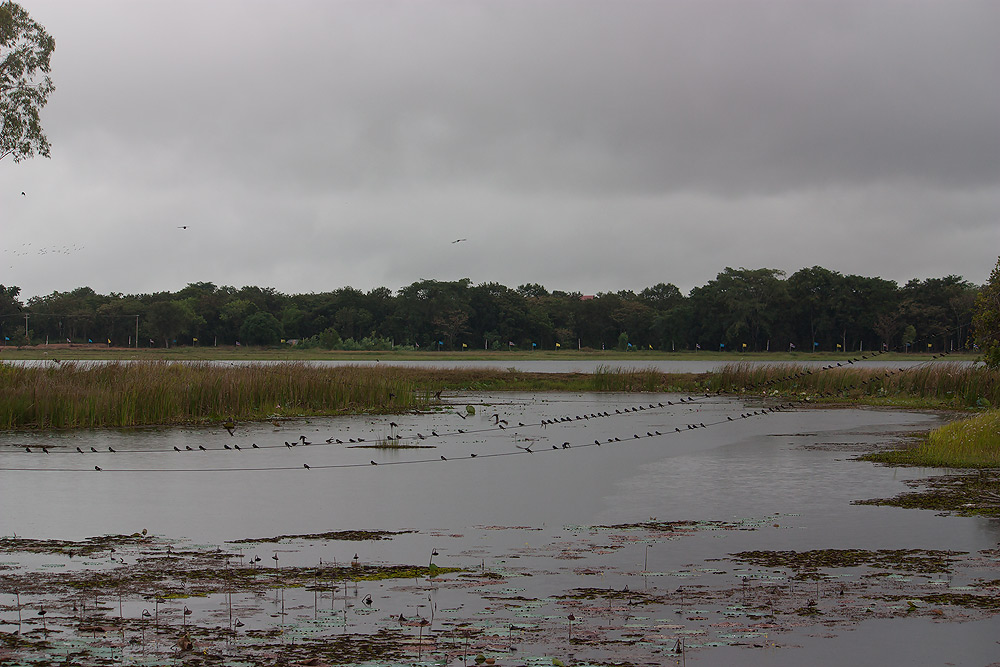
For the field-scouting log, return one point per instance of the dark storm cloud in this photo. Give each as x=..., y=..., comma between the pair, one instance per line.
x=659, y=96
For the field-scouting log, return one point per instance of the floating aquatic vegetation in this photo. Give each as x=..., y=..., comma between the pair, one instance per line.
x=807, y=563
x=969, y=494
x=338, y=535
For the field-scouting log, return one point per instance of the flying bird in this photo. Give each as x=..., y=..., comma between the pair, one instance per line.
x=453, y=242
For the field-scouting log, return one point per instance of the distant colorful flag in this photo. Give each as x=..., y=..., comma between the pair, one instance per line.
x=237, y=343
x=697, y=346
x=534, y=345
x=464, y=346
x=558, y=345
x=510, y=343
x=791, y=345
x=90, y=340
x=195, y=340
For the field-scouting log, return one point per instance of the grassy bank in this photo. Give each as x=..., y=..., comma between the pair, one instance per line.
x=932, y=385
x=968, y=443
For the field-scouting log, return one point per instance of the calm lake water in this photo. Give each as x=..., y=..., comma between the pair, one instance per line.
x=775, y=481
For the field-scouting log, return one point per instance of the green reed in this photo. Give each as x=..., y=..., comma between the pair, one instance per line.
x=133, y=394
x=938, y=384
x=973, y=442
x=607, y=378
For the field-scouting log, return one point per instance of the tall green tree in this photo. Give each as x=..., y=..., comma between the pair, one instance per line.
x=10, y=313
x=167, y=319
x=25, y=51
x=986, y=319
x=261, y=329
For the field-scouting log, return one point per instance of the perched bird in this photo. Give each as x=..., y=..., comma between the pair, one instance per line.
x=111, y=449
x=255, y=446
x=188, y=448
x=374, y=464
x=97, y=468
x=306, y=466
x=79, y=450
x=202, y=448
x=443, y=458
x=367, y=600
x=176, y=448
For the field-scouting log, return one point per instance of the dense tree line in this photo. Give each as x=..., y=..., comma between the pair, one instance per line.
x=741, y=309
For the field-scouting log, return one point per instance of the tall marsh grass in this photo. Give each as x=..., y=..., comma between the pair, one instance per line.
x=607, y=378
x=968, y=443
x=972, y=442
x=939, y=384
x=133, y=394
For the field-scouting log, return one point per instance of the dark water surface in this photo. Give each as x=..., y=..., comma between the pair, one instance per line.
x=552, y=520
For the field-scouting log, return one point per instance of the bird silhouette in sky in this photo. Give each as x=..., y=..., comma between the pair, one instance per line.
x=455, y=241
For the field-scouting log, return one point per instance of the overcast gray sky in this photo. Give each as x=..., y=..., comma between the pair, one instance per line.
x=587, y=146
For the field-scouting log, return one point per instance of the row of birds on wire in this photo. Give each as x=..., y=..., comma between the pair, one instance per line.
x=499, y=424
